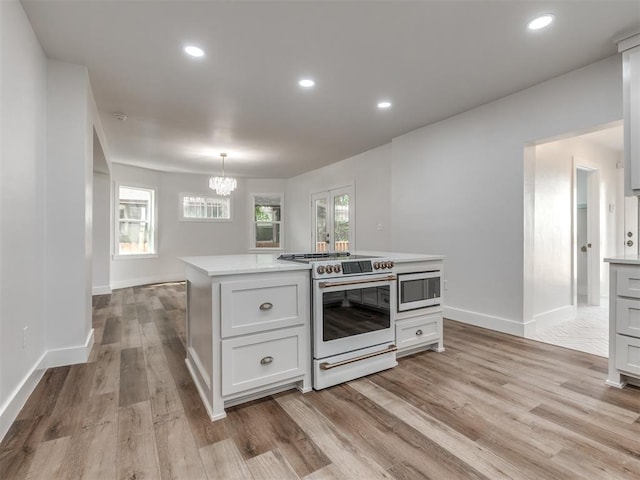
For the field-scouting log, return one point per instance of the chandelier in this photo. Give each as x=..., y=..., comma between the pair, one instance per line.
x=223, y=185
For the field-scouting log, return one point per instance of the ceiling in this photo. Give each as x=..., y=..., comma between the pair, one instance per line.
x=431, y=59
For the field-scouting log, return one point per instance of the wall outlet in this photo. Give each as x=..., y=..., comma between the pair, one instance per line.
x=380, y=227
x=25, y=336
x=444, y=285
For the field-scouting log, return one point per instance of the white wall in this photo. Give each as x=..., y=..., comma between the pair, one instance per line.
x=553, y=241
x=458, y=188
x=22, y=209
x=178, y=238
x=371, y=173
x=101, y=234
x=69, y=179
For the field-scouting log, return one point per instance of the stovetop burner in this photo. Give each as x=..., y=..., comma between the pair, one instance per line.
x=319, y=256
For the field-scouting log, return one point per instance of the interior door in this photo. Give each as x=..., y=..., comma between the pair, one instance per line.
x=630, y=225
x=333, y=217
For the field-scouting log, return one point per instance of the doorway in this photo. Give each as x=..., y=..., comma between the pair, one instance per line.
x=577, y=210
x=333, y=217
x=587, y=232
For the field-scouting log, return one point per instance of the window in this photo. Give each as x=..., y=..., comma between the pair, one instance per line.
x=136, y=221
x=333, y=220
x=266, y=225
x=202, y=208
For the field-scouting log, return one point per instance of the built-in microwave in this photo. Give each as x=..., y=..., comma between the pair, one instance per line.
x=418, y=290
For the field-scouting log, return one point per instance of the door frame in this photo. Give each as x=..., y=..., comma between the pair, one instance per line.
x=593, y=233
x=329, y=195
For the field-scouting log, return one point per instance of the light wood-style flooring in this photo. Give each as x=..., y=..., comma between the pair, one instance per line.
x=492, y=406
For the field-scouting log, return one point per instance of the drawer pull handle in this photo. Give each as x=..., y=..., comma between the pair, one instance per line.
x=418, y=332
x=266, y=306
x=266, y=360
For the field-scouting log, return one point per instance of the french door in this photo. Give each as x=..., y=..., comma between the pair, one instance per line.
x=333, y=218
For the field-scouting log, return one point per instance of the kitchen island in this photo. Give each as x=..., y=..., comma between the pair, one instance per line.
x=249, y=324
x=624, y=320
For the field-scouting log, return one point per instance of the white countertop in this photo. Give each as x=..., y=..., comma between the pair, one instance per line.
x=247, y=263
x=268, y=262
x=625, y=259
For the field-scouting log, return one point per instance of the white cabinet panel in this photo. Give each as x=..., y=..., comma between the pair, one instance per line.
x=628, y=282
x=628, y=317
x=628, y=354
x=261, y=359
x=417, y=331
x=256, y=306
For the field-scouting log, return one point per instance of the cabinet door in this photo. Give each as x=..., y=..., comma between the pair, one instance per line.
x=628, y=317
x=259, y=360
x=255, y=306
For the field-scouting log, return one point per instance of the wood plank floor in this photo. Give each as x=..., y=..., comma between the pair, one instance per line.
x=492, y=406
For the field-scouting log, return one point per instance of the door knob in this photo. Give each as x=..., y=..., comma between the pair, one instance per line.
x=583, y=248
x=629, y=243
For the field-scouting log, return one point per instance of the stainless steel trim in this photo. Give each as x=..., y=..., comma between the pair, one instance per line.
x=266, y=360
x=329, y=366
x=266, y=306
x=389, y=278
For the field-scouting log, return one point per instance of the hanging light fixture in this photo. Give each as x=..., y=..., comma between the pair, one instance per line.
x=223, y=185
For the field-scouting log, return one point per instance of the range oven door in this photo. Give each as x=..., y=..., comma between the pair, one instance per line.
x=418, y=290
x=352, y=313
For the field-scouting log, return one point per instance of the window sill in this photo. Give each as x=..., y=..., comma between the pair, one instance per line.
x=135, y=256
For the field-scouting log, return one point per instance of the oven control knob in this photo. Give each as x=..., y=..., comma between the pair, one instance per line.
x=329, y=269
x=376, y=265
x=337, y=268
x=385, y=264
x=390, y=264
x=320, y=269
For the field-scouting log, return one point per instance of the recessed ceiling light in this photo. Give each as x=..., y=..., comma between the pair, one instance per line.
x=306, y=83
x=540, y=22
x=194, y=51
x=384, y=105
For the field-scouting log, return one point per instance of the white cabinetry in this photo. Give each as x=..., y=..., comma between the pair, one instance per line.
x=630, y=48
x=248, y=335
x=421, y=328
x=624, y=322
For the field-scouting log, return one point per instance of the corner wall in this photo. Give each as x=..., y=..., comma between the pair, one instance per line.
x=458, y=188
x=23, y=102
x=371, y=174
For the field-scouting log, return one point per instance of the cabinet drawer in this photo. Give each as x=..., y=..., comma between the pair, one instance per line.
x=629, y=282
x=628, y=354
x=418, y=331
x=258, y=360
x=628, y=317
x=256, y=306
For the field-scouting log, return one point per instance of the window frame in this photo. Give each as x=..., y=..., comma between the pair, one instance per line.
x=182, y=218
x=153, y=222
x=253, y=222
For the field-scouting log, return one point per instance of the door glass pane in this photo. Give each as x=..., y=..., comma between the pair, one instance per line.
x=320, y=208
x=341, y=222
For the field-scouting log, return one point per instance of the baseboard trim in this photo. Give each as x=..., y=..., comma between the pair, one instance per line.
x=51, y=358
x=135, y=282
x=552, y=317
x=101, y=290
x=11, y=408
x=71, y=355
x=498, y=324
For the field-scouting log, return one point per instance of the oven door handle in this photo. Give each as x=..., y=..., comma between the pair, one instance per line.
x=389, y=278
x=329, y=366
